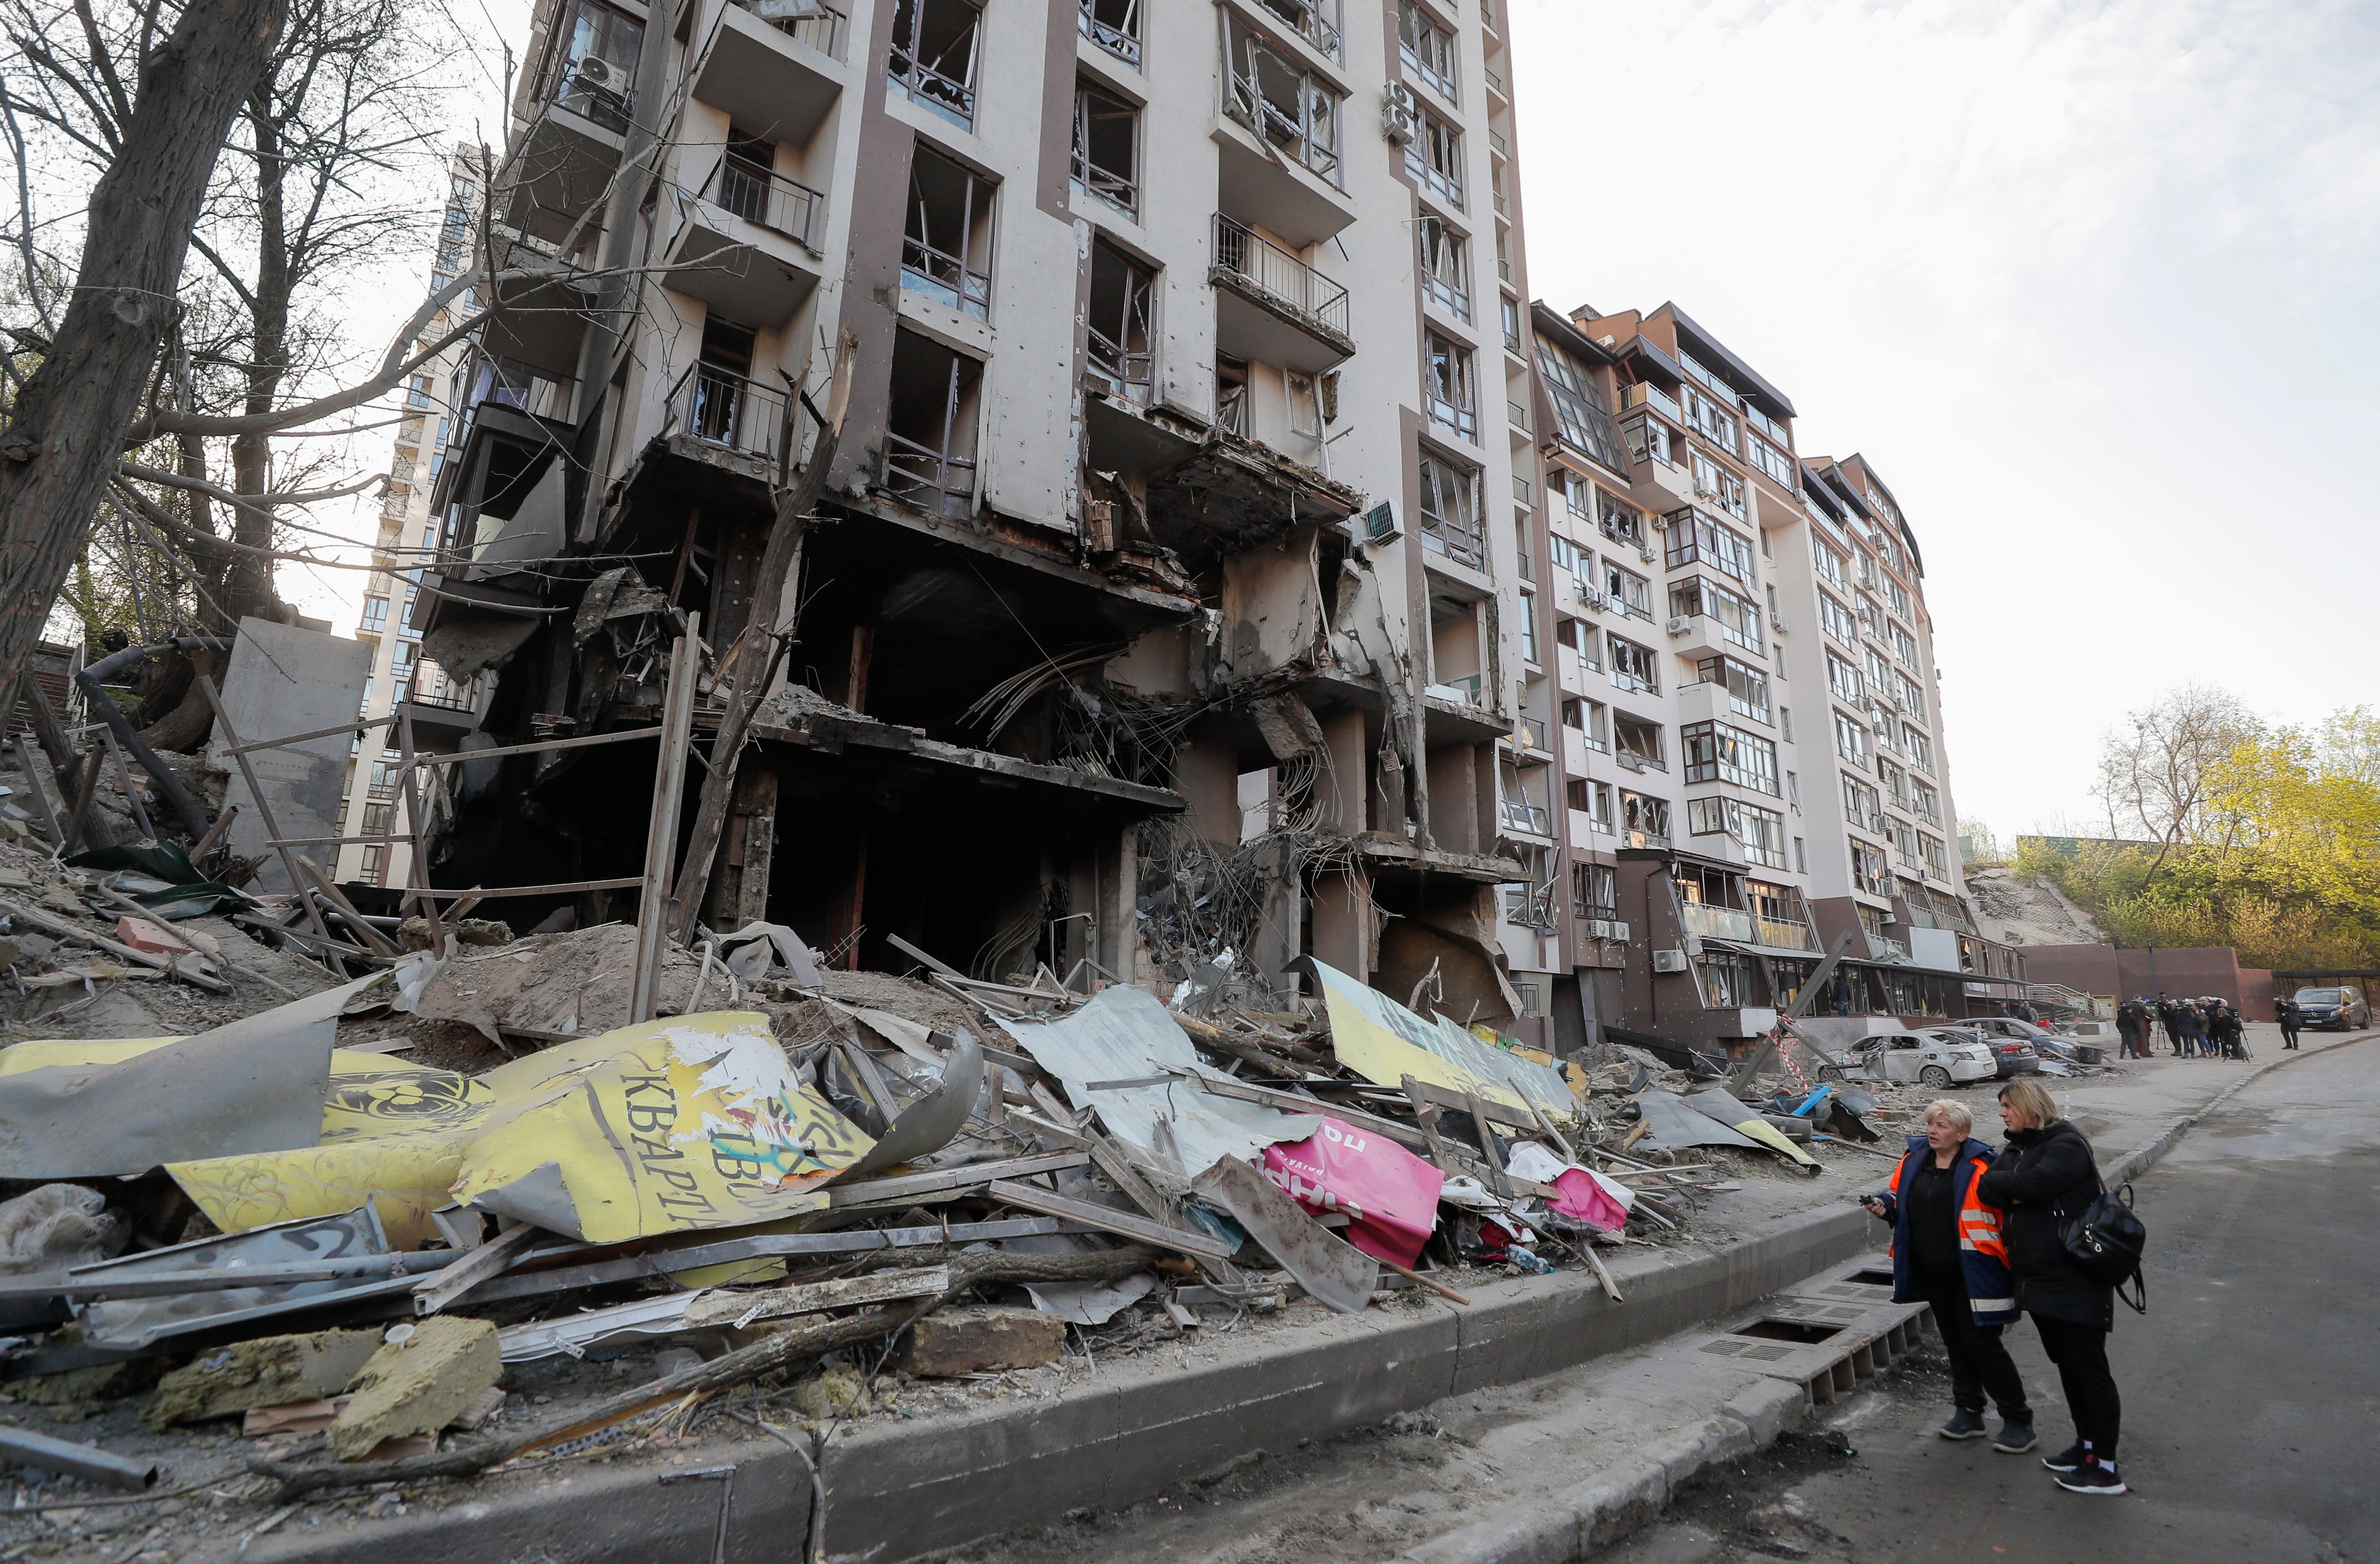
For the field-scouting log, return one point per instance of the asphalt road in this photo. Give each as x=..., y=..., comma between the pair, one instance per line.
x=2252, y=1389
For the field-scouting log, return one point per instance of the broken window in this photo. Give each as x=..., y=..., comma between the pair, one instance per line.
x=1619, y=520
x=1283, y=103
x=1113, y=25
x=1232, y=396
x=1427, y=49
x=1306, y=17
x=1628, y=592
x=594, y=70
x=1634, y=666
x=1648, y=440
x=946, y=249
x=1716, y=752
x=1122, y=294
x=929, y=434
x=1640, y=740
x=1870, y=873
x=1642, y=815
x=1747, y=688
x=1435, y=158
x=1585, y=422
x=1107, y=148
x=1450, y=385
x=934, y=59
x=1595, y=887
x=1449, y=511
x=1305, y=405
x=1445, y=266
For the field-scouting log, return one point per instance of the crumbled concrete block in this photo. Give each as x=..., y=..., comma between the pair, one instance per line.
x=271, y=1370
x=984, y=1337
x=420, y=1385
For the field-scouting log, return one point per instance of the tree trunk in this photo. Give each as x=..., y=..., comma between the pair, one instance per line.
x=67, y=433
x=249, y=587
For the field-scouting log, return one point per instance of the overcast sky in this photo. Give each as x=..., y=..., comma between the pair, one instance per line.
x=2092, y=283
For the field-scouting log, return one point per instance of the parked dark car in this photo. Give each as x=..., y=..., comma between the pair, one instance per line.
x=2012, y=1053
x=2333, y=1010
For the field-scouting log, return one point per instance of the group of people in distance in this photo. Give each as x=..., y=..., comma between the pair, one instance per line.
x=1975, y=1235
x=2194, y=1028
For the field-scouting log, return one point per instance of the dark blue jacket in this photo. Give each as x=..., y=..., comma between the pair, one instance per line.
x=1982, y=1255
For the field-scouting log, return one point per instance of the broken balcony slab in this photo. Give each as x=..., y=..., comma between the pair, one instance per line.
x=856, y=738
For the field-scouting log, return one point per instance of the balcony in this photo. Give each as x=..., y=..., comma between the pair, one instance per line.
x=717, y=409
x=1531, y=733
x=1271, y=308
x=440, y=706
x=1783, y=934
x=1305, y=18
x=774, y=66
x=1279, y=140
x=569, y=149
x=744, y=245
x=1719, y=922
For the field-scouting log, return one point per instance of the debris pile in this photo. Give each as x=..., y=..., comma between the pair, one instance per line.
x=792, y=1182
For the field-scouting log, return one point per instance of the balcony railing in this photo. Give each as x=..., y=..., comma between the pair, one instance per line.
x=1266, y=268
x=760, y=194
x=1532, y=733
x=926, y=478
x=1306, y=20
x=1784, y=934
x=1129, y=375
x=805, y=21
x=1719, y=922
x=429, y=686
x=721, y=408
x=1643, y=393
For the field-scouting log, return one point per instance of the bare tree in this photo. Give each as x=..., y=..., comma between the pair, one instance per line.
x=157, y=137
x=2154, y=770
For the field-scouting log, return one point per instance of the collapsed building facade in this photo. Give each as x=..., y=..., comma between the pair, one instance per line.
x=1150, y=616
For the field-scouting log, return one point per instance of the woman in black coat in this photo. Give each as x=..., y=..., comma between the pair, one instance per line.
x=2044, y=1179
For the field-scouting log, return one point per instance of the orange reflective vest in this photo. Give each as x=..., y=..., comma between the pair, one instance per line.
x=1983, y=1254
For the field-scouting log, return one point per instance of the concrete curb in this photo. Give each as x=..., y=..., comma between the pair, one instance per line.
x=1626, y=1498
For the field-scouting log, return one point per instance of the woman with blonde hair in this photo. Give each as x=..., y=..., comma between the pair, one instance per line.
x=2044, y=1179
x=1947, y=1254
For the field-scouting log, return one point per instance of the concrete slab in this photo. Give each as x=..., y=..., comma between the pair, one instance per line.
x=283, y=680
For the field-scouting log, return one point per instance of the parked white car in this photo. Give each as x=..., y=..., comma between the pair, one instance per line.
x=1936, y=1057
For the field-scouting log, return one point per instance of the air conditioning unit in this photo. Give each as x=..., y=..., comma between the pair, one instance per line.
x=1776, y=625
x=1400, y=114
x=1589, y=597
x=1620, y=931
x=1380, y=522
x=1645, y=553
x=1680, y=624
x=1693, y=945
x=1668, y=960
x=593, y=70
x=1599, y=928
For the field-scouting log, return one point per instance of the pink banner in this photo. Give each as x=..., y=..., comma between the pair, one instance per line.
x=1390, y=1195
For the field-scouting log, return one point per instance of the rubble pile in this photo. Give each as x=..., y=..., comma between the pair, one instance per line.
x=820, y=1192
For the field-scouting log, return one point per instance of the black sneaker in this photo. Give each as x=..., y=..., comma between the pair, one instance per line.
x=2016, y=1436
x=1963, y=1424
x=2066, y=1460
x=2094, y=1477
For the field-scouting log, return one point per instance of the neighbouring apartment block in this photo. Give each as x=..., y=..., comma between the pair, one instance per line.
x=402, y=683
x=1164, y=615
x=1730, y=706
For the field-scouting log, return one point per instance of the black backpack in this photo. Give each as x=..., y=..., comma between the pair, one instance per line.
x=2106, y=1241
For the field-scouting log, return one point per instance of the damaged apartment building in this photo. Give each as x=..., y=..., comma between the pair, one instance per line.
x=1160, y=610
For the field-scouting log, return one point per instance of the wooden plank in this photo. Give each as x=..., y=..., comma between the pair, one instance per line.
x=953, y=1178
x=491, y=1258
x=810, y=1298
x=1460, y=1102
x=1109, y=1219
